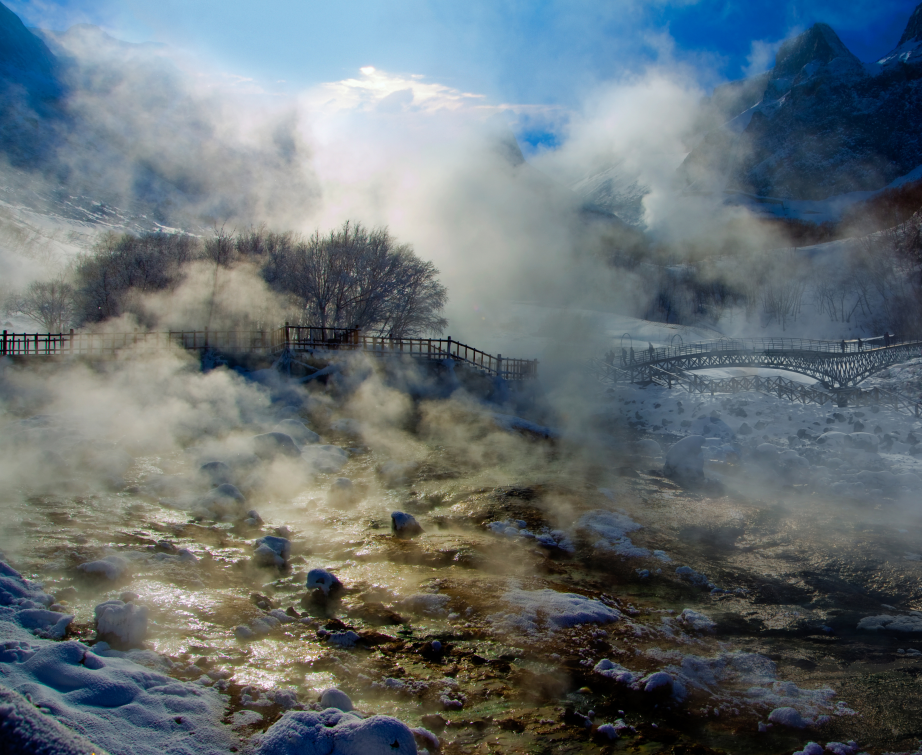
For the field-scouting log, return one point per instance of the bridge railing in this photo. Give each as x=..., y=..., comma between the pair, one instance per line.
x=628, y=357
x=288, y=337
x=800, y=393
x=304, y=338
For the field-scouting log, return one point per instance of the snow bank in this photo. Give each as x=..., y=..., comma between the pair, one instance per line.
x=335, y=732
x=25, y=730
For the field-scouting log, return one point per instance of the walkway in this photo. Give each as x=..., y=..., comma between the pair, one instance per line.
x=293, y=339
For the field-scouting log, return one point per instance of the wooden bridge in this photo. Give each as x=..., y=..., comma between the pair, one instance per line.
x=290, y=339
x=836, y=364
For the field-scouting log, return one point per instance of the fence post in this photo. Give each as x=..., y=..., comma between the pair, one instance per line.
x=499, y=365
x=449, y=347
x=70, y=343
x=286, y=335
x=3, y=349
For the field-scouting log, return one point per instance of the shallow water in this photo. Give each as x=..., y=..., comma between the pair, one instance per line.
x=800, y=571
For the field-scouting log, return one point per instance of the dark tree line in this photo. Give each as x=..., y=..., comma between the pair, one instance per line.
x=352, y=277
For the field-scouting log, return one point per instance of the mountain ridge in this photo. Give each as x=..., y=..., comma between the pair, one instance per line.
x=825, y=123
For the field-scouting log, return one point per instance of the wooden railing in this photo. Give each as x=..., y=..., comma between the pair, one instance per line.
x=292, y=338
x=311, y=338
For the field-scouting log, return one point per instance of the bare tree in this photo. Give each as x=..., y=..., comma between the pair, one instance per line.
x=356, y=278
x=48, y=303
x=122, y=266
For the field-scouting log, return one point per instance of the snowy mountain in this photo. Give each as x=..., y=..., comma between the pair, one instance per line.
x=820, y=123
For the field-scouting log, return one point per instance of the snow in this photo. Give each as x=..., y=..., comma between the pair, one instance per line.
x=272, y=551
x=910, y=624
x=111, y=567
x=322, y=580
x=26, y=730
x=324, y=459
x=121, y=625
x=695, y=622
x=684, y=460
x=614, y=671
x=297, y=431
x=404, y=525
x=335, y=732
x=608, y=532
x=789, y=717
x=335, y=698
x=118, y=704
x=531, y=610
x=429, y=604
x=269, y=446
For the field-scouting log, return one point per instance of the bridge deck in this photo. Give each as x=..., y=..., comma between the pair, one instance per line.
x=290, y=338
x=835, y=363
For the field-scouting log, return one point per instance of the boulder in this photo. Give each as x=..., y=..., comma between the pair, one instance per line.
x=298, y=431
x=404, y=525
x=269, y=446
x=122, y=625
x=684, y=460
x=223, y=502
x=343, y=492
x=321, y=579
x=272, y=551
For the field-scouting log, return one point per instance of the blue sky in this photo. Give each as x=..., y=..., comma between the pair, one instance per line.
x=534, y=51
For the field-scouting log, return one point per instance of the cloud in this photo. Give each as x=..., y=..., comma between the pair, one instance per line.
x=762, y=55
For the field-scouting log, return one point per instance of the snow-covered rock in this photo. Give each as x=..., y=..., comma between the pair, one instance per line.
x=269, y=446
x=531, y=610
x=789, y=717
x=216, y=472
x=272, y=551
x=694, y=621
x=122, y=625
x=684, y=460
x=911, y=624
x=343, y=492
x=335, y=732
x=614, y=671
x=297, y=431
x=111, y=567
x=321, y=579
x=607, y=531
x=335, y=698
x=224, y=502
x=404, y=525
x=324, y=459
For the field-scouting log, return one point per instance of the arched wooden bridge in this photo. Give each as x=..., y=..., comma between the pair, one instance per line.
x=837, y=364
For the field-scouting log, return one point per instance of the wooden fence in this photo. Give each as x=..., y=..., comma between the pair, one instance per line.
x=291, y=338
